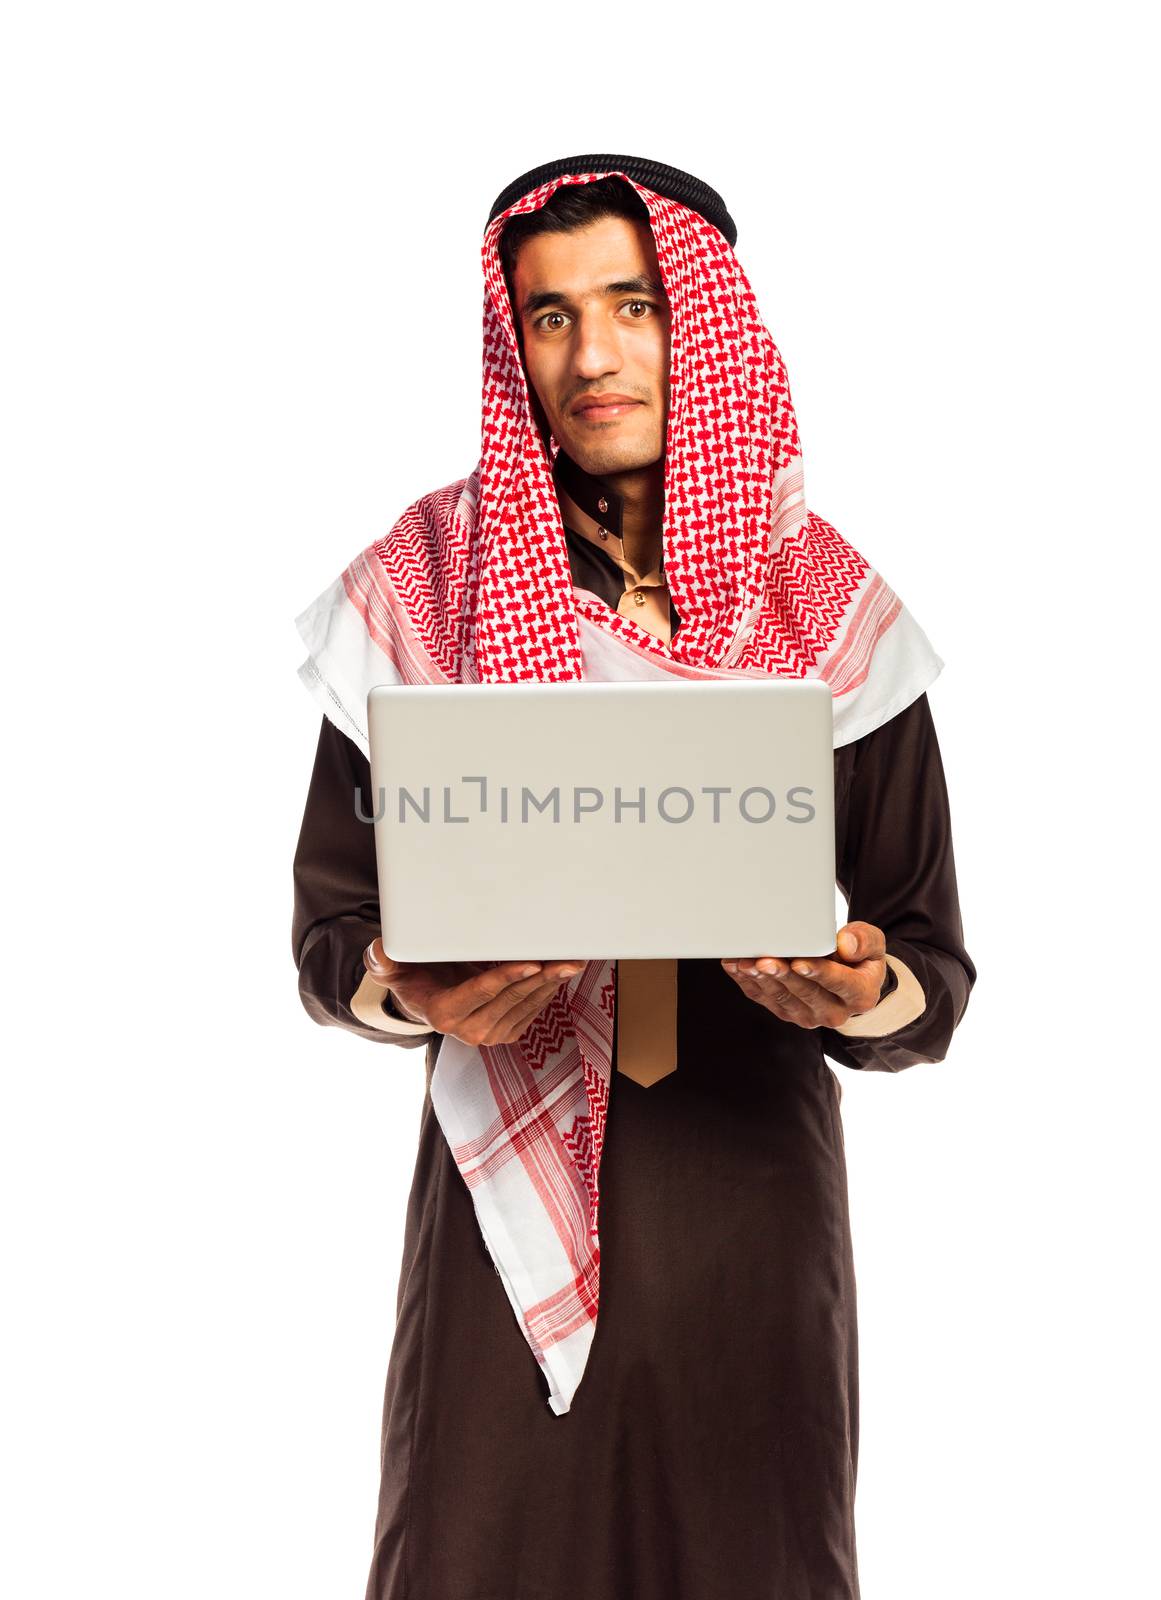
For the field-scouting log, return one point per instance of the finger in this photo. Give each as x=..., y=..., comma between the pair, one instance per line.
x=742, y=971
x=827, y=1009
x=494, y=1026
x=512, y=1000
x=766, y=990
x=852, y=985
x=493, y=1010
x=771, y=992
x=515, y=1022
x=777, y=981
x=483, y=987
x=857, y=986
x=789, y=1007
x=751, y=969
x=776, y=997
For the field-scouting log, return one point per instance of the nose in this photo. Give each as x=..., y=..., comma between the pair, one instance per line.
x=597, y=349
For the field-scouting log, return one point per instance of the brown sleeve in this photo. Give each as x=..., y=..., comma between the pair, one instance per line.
x=896, y=867
x=336, y=891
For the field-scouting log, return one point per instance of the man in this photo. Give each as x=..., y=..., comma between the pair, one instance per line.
x=701, y=1441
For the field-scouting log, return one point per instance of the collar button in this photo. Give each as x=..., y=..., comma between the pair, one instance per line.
x=602, y=505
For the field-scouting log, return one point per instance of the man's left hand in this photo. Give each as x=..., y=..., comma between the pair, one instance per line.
x=818, y=991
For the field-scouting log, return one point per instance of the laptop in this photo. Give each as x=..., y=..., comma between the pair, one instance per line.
x=604, y=820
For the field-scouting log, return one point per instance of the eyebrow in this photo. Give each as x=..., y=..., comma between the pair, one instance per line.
x=643, y=283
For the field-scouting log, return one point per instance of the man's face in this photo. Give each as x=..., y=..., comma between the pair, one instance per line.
x=593, y=320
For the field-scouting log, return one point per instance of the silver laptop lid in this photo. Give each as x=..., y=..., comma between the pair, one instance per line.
x=604, y=820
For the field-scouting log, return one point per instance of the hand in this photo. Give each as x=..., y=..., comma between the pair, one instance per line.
x=818, y=991
x=463, y=1000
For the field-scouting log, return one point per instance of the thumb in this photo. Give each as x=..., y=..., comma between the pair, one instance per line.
x=378, y=963
x=861, y=941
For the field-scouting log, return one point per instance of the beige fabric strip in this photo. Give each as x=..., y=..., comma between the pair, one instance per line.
x=646, y=1019
x=900, y=1007
x=367, y=1005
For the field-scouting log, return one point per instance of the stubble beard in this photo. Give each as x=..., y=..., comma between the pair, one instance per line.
x=605, y=458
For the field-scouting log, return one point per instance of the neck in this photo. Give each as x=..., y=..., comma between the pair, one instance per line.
x=643, y=492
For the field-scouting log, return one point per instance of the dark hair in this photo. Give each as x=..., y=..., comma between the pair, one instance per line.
x=571, y=206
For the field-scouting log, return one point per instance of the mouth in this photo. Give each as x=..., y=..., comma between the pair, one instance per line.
x=617, y=407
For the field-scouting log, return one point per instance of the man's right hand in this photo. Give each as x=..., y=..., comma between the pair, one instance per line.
x=462, y=1000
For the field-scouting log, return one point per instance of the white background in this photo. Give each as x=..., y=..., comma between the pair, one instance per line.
x=241, y=333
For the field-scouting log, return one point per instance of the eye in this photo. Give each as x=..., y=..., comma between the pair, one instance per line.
x=636, y=306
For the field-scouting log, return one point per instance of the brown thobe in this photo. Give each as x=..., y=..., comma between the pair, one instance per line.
x=711, y=1448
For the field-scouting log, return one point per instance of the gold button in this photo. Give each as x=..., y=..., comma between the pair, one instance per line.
x=602, y=504
x=640, y=597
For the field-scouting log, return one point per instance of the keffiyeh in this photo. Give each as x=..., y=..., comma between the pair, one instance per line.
x=472, y=584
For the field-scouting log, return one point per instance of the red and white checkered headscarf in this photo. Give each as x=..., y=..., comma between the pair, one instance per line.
x=472, y=584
